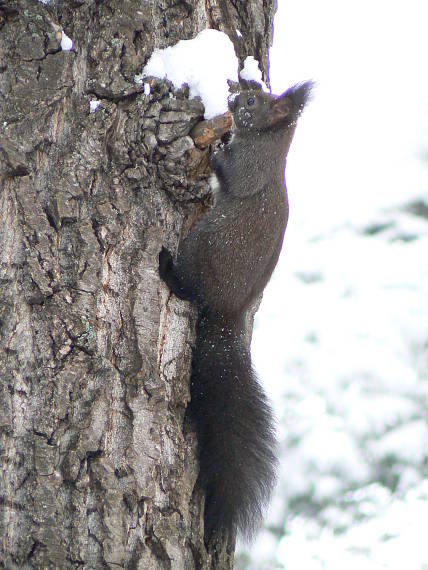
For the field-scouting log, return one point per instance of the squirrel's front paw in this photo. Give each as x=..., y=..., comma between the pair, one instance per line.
x=165, y=263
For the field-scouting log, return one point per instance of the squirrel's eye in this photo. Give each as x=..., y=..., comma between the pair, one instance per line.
x=250, y=101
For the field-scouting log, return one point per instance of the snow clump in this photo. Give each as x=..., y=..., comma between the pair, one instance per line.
x=251, y=72
x=66, y=42
x=205, y=63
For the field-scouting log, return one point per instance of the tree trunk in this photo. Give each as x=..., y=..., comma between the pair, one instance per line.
x=99, y=468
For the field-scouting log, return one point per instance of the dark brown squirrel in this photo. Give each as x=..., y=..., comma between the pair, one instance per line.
x=223, y=266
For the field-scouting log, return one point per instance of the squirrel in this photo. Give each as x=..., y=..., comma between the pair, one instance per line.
x=223, y=266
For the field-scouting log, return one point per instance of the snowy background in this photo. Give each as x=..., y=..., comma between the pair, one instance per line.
x=341, y=339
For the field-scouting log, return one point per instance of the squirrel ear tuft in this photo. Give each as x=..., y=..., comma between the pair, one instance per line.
x=300, y=94
x=291, y=103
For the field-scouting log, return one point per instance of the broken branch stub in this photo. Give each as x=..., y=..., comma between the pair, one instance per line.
x=206, y=132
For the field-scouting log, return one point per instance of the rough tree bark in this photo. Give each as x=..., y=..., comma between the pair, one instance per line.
x=98, y=468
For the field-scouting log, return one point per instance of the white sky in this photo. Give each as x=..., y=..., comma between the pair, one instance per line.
x=357, y=145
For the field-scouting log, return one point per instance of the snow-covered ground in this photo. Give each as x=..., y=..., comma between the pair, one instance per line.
x=341, y=339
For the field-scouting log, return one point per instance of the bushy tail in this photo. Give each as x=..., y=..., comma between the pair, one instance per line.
x=235, y=427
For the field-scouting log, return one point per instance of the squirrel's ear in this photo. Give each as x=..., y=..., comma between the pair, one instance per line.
x=280, y=108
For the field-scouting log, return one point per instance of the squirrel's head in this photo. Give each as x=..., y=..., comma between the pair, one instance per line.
x=254, y=110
